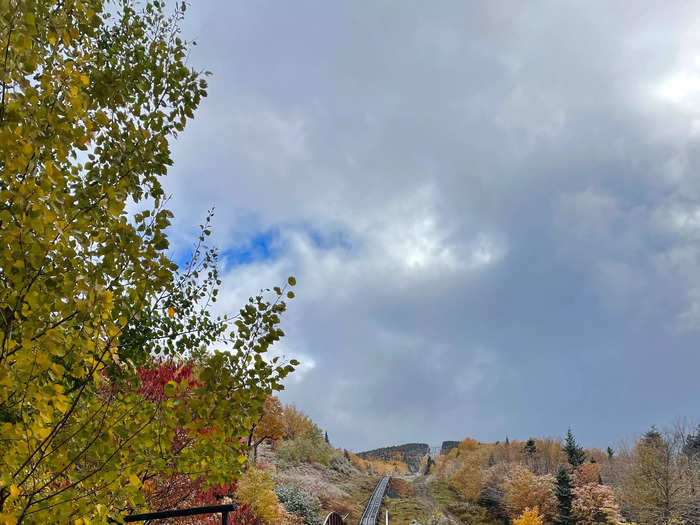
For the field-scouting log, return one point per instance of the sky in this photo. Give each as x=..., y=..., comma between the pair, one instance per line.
x=492, y=209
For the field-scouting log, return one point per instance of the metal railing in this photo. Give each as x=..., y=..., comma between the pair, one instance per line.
x=369, y=516
x=163, y=514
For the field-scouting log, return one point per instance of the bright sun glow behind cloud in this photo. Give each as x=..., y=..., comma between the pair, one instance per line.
x=681, y=87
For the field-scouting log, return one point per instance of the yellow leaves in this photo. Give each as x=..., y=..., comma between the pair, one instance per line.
x=8, y=519
x=61, y=403
x=42, y=360
x=52, y=38
x=171, y=312
x=14, y=492
x=530, y=516
x=115, y=207
x=84, y=79
x=241, y=459
x=134, y=480
x=113, y=330
x=170, y=388
x=255, y=490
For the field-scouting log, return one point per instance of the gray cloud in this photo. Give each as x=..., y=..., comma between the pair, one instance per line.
x=493, y=211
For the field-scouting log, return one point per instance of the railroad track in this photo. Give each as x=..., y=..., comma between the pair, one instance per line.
x=371, y=513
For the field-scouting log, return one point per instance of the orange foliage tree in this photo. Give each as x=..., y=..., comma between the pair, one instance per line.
x=587, y=473
x=296, y=423
x=524, y=490
x=467, y=481
x=270, y=426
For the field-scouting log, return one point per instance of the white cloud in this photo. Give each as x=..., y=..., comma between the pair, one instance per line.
x=468, y=194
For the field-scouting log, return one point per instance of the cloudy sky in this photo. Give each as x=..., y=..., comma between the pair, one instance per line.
x=492, y=209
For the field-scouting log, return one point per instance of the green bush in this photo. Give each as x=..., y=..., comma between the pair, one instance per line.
x=341, y=464
x=309, y=448
x=297, y=501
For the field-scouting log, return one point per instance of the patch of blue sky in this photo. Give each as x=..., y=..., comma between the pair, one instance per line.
x=271, y=244
x=261, y=246
x=329, y=239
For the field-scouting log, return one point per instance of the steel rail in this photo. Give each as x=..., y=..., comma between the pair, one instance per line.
x=371, y=513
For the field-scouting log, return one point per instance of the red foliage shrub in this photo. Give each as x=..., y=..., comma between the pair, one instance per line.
x=154, y=379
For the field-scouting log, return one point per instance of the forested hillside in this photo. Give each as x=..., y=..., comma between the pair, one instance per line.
x=653, y=481
x=410, y=453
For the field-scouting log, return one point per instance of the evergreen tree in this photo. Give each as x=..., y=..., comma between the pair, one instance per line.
x=575, y=453
x=507, y=441
x=530, y=453
x=530, y=448
x=652, y=436
x=564, y=496
x=611, y=453
x=327, y=440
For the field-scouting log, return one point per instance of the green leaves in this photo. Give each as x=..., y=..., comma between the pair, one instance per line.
x=88, y=296
x=78, y=281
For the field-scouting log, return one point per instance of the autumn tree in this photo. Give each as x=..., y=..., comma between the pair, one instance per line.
x=524, y=490
x=549, y=456
x=659, y=486
x=296, y=423
x=595, y=504
x=255, y=490
x=91, y=94
x=587, y=473
x=467, y=480
x=529, y=517
x=269, y=427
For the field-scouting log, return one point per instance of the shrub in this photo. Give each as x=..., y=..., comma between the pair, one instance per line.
x=255, y=491
x=341, y=464
x=309, y=448
x=529, y=517
x=297, y=501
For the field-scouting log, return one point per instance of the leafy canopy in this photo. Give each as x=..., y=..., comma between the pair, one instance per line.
x=90, y=94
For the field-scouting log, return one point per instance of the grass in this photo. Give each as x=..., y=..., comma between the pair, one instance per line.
x=402, y=511
x=465, y=512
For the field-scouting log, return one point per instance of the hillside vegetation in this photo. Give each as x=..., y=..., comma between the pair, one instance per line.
x=404, y=457
x=550, y=481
